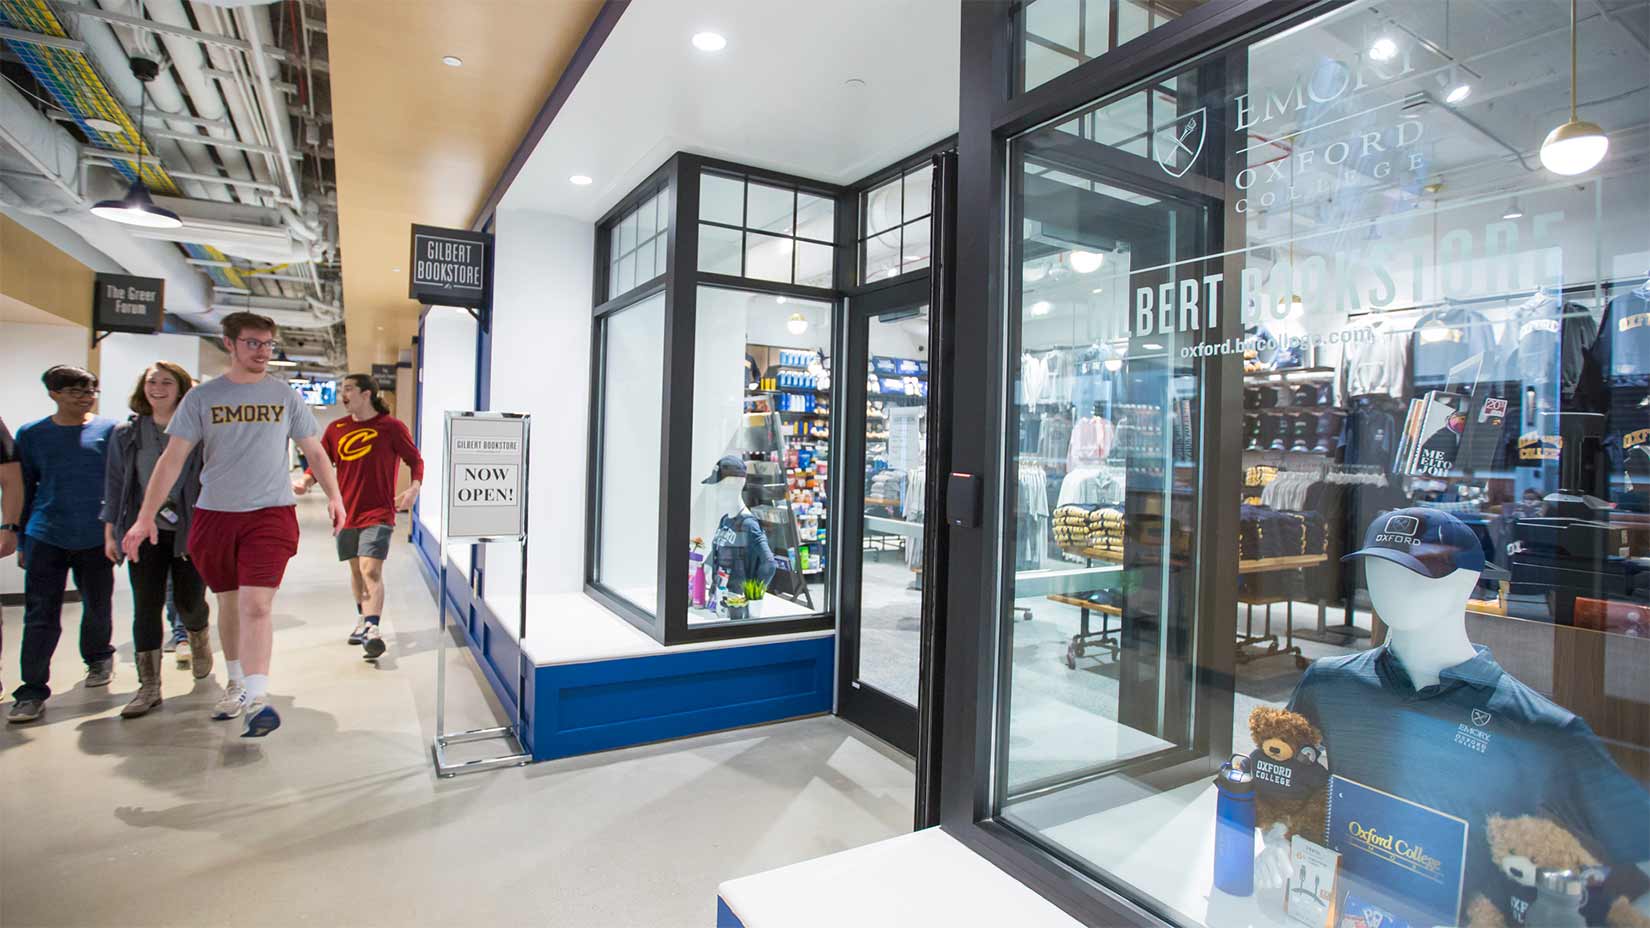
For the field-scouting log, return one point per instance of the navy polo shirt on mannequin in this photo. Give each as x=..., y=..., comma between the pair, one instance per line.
x=1476, y=744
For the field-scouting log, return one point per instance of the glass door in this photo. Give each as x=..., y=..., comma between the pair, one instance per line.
x=885, y=440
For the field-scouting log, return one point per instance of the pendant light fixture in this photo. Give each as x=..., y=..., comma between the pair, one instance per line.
x=797, y=324
x=1577, y=146
x=137, y=207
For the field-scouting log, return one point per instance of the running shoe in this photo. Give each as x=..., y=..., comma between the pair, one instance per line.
x=181, y=651
x=360, y=632
x=261, y=719
x=233, y=702
x=171, y=643
x=372, y=643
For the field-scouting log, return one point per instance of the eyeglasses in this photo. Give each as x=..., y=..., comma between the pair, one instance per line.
x=80, y=393
x=258, y=344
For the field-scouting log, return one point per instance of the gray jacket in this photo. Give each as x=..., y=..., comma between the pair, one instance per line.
x=123, y=495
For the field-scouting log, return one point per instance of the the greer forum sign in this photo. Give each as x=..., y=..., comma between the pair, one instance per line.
x=449, y=267
x=122, y=303
x=486, y=492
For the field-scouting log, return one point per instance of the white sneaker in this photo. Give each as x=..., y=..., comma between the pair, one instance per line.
x=261, y=719
x=233, y=702
x=182, y=653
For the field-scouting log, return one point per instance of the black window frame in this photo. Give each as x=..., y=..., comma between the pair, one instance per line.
x=680, y=177
x=993, y=111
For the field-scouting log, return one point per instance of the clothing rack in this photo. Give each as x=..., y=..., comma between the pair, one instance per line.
x=1563, y=292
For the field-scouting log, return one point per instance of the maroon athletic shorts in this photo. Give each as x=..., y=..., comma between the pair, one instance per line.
x=236, y=549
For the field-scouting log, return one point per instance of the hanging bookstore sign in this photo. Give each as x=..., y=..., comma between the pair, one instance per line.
x=449, y=267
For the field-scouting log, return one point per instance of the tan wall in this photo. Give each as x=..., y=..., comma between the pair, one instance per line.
x=35, y=272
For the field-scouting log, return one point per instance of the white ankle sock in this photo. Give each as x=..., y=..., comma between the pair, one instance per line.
x=235, y=675
x=257, y=685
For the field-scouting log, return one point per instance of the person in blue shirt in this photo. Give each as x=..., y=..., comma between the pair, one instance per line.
x=63, y=458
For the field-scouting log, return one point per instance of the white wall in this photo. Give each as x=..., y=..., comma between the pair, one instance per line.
x=25, y=352
x=123, y=357
x=449, y=348
x=541, y=367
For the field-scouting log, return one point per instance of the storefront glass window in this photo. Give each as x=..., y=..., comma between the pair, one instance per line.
x=1058, y=35
x=636, y=245
x=761, y=457
x=765, y=232
x=896, y=225
x=632, y=403
x=1312, y=297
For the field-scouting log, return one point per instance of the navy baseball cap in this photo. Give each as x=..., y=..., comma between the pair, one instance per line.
x=730, y=465
x=1430, y=542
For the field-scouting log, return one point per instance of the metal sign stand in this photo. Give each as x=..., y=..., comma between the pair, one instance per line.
x=510, y=733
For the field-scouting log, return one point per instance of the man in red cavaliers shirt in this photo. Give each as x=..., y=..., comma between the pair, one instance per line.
x=366, y=447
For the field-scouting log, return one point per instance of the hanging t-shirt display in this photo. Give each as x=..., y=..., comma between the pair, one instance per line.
x=1550, y=342
x=1442, y=340
x=1478, y=744
x=1622, y=349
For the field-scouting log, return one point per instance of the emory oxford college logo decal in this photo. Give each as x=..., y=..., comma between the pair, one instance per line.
x=1177, y=145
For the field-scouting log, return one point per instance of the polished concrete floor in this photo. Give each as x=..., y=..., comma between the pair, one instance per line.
x=336, y=819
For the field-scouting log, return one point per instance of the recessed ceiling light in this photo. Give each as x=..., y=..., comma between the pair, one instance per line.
x=854, y=82
x=452, y=61
x=709, y=41
x=395, y=270
x=1514, y=211
x=580, y=180
x=1041, y=308
x=1098, y=290
x=1152, y=346
x=1458, y=93
x=1384, y=49
x=104, y=125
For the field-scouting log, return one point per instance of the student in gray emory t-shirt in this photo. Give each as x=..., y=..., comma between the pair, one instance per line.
x=244, y=429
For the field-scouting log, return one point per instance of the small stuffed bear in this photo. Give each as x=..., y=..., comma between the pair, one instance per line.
x=1521, y=846
x=1291, y=787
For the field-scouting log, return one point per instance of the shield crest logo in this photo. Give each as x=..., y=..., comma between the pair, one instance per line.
x=1177, y=145
x=1480, y=718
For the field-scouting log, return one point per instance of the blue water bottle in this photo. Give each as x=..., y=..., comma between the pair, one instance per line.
x=1235, y=828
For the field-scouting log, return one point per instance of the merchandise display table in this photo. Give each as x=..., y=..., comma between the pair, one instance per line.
x=923, y=878
x=1249, y=644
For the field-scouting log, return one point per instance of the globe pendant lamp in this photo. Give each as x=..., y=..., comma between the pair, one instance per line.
x=137, y=207
x=1577, y=146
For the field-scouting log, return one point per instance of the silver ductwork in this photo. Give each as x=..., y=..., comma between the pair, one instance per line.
x=218, y=124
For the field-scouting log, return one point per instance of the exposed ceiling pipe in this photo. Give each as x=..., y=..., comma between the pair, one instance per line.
x=229, y=69
x=112, y=59
x=255, y=26
x=189, y=60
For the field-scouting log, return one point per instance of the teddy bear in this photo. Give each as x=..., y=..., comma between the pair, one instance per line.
x=1520, y=846
x=1291, y=787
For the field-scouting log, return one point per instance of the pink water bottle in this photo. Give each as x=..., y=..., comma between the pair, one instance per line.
x=696, y=581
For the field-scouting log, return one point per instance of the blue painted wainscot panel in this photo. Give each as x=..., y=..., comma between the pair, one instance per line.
x=598, y=706
x=725, y=917
x=582, y=708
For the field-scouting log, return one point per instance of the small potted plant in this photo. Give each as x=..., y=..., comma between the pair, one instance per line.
x=754, y=591
x=738, y=607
